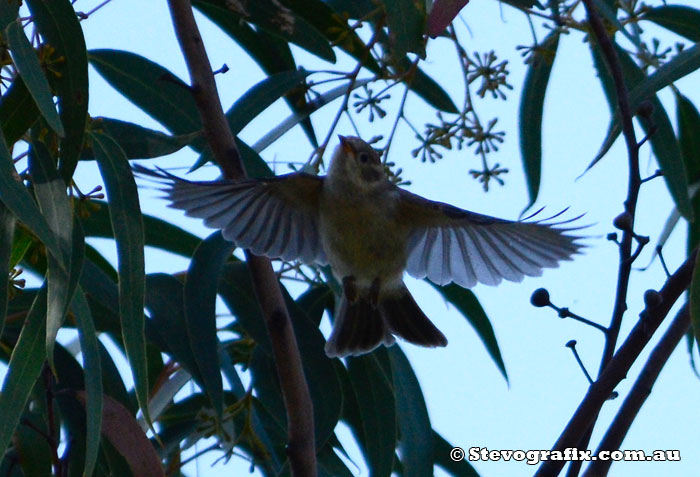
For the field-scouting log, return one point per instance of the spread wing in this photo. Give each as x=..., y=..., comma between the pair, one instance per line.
x=276, y=217
x=448, y=244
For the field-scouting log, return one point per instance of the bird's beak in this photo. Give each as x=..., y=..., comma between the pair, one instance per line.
x=347, y=147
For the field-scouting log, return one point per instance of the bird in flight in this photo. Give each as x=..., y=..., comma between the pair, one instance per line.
x=370, y=232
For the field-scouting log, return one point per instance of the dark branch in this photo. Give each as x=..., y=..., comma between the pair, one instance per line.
x=640, y=391
x=295, y=391
x=619, y=365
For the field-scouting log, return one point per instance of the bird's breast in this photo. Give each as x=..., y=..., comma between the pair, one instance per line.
x=361, y=236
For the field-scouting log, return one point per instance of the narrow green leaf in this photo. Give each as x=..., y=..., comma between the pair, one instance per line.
x=531, y=112
x=330, y=465
x=7, y=233
x=277, y=132
x=200, y=311
x=237, y=292
x=416, y=442
x=32, y=447
x=270, y=52
x=431, y=92
x=59, y=25
x=468, y=305
x=23, y=369
x=50, y=191
x=89, y=346
x=461, y=468
x=8, y=13
x=320, y=372
x=688, y=120
x=371, y=380
x=315, y=301
x=335, y=28
x=138, y=142
x=277, y=19
x=166, y=304
x=609, y=12
x=255, y=101
x=693, y=301
x=681, y=65
x=18, y=111
x=29, y=68
x=663, y=140
x=406, y=21
x=154, y=89
x=522, y=3
x=355, y=9
x=679, y=19
x=16, y=198
x=127, y=224
x=159, y=233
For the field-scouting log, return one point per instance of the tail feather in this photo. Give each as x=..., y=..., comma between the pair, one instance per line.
x=358, y=329
x=360, y=326
x=405, y=319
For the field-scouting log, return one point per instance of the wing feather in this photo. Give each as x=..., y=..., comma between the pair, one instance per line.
x=450, y=244
x=276, y=217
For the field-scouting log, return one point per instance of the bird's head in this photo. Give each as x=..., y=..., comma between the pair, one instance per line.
x=357, y=162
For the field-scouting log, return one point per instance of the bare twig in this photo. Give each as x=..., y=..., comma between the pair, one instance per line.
x=619, y=365
x=295, y=391
x=640, y=391
x=634, y=183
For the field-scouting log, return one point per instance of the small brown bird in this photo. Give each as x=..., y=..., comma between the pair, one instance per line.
x=370, y=232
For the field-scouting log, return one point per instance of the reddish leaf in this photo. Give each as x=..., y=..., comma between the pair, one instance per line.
x=442, y=13
x=127, y=437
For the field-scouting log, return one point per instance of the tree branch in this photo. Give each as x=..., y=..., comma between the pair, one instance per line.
x=634, y=183
x=640, y=391
x=295, y=391
x=616, y=370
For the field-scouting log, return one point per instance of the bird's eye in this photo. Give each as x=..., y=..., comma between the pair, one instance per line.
x=363, y=157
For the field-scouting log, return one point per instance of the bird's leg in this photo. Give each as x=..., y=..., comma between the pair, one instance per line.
x=374, y=292
x=350, y=288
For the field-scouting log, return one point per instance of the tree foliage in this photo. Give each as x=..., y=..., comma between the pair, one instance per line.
x=55, y=393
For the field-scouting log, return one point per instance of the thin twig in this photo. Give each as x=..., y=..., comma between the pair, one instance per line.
x=619, y=365
x=612, y=62
x=295, y=391
x=640, y=391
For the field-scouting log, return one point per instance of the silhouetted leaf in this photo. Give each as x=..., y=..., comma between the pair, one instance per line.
x=459, y=468
x=125, y=214
x=406, y=20
x=442, y=13
x=23, y=369
x=416, y=441
x=124, y=433
x=531, y=112
x=663, y=140
x=16, y=198
x=158, y=233
x=688, y=120
x=252, y=103
x=152, y=88
x=200, y=311
x=372, y=383
x=166, y=304
x=7, y=233
x=59, y=25
x=89, y=347
x=29, y=68
x=18, y=111
x=276, y=18
x=63, y=272
x=138, y=142
x=680, y=19
x=468, y=305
